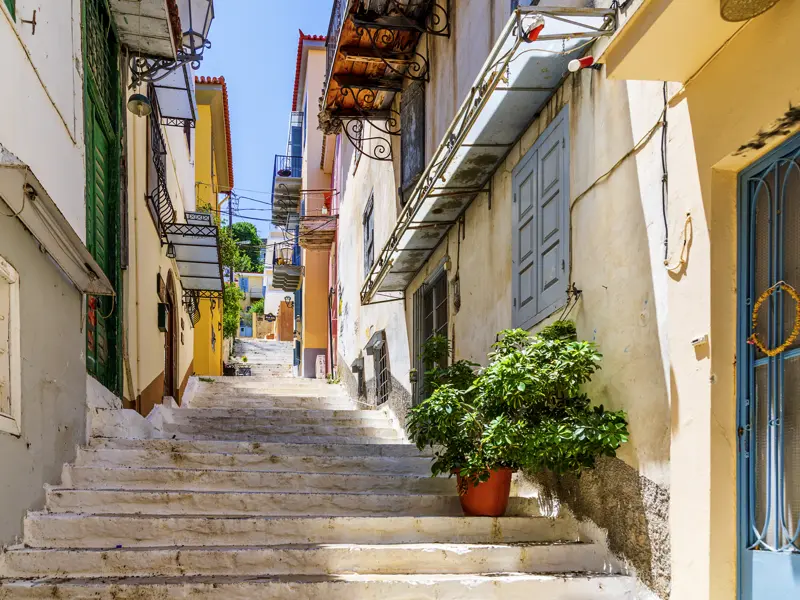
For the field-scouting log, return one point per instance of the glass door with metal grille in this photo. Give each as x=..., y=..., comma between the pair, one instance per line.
x=769, y=376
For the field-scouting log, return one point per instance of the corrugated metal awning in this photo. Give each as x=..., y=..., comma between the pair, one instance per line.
x=515, y=83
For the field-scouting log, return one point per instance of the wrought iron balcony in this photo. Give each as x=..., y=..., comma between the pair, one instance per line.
x=159, y=198
x=287, y=273
x=372, y=47
x=288, y=166
x=286, y=184
x=317, y=229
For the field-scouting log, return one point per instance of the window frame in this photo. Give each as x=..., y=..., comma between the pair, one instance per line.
x=420, y=336
x=368, y=229
x=11, y=422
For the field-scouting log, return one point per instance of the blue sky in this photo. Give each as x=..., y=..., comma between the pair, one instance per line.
x=254, y=46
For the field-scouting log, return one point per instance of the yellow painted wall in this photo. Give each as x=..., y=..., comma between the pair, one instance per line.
x=208, y=331
x=208, y=340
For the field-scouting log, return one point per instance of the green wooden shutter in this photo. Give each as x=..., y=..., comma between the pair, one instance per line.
x=102, y=107
x=11, y=8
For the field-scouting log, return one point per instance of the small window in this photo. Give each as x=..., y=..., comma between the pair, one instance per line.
x=380, y=356
x=10, y=6
x=412, y=138
x=10, y=366
x=369, y=234
x=382, y=376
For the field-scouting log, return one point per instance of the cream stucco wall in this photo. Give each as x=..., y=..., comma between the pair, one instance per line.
x=680, y=398
x=41, y=122
x=147, y=259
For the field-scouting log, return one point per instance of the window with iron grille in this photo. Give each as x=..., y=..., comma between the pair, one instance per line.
x=369, y=234
x=430, y=318
x=383, y=377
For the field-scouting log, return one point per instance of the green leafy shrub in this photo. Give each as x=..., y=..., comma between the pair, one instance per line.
x=524, y=410
x=230, y=309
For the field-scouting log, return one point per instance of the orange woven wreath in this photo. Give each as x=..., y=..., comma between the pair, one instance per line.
x=753, y=339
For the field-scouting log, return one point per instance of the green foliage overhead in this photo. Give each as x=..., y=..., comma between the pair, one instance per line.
x=250, y=246
x=525, y=410
x=230, y=307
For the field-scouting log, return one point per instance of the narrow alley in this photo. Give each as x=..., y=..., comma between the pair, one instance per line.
x=279, y=488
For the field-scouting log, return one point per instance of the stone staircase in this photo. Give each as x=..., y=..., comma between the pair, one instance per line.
x=277, y=488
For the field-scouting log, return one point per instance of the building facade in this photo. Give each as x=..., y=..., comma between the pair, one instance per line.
x=46, y=264
x=487, y=185
x=213, y=163
x=302, y=209
x=97, y=189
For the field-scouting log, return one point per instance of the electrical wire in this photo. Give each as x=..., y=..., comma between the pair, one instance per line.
x=664, y=175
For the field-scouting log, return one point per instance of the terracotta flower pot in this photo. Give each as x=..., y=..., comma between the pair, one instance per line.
x=488, y=498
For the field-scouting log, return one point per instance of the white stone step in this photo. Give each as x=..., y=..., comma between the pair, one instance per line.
x=253, y=383
x=338, y=587
x=50, y=530
x=286, y=504
x=260, y=448
x=390, y=559
x=225, y=480
x=98, y=457
x=271, y=402
x=281, y=415
x=226, y=428
x=284, y=439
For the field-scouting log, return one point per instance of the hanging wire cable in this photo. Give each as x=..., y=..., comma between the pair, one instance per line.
x=665, y=174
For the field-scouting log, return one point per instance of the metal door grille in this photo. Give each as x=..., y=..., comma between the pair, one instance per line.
x=770, y=385
x=382, y=375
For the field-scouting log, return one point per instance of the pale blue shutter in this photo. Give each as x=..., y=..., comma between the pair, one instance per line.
x=553, y=217
x=524, y=244
x=541, y=226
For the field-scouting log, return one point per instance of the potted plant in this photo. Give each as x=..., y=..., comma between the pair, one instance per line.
x=524, y=410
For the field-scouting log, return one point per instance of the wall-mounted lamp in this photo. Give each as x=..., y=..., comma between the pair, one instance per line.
x=171, y=250
x=536, y=29
x=140, y=105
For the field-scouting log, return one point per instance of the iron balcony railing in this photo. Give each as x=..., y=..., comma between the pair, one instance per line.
x=288, y=166
x=334, y=28
x=159, y=196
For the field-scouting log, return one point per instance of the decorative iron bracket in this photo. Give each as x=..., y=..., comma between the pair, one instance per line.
x=388, y=46
x=191, y=302
x=437, y=21
x=152, y=70
x=376, y=147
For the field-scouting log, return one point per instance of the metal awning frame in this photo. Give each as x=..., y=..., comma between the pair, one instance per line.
x=180, y=236
x=493, y=74
x=167, y=84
